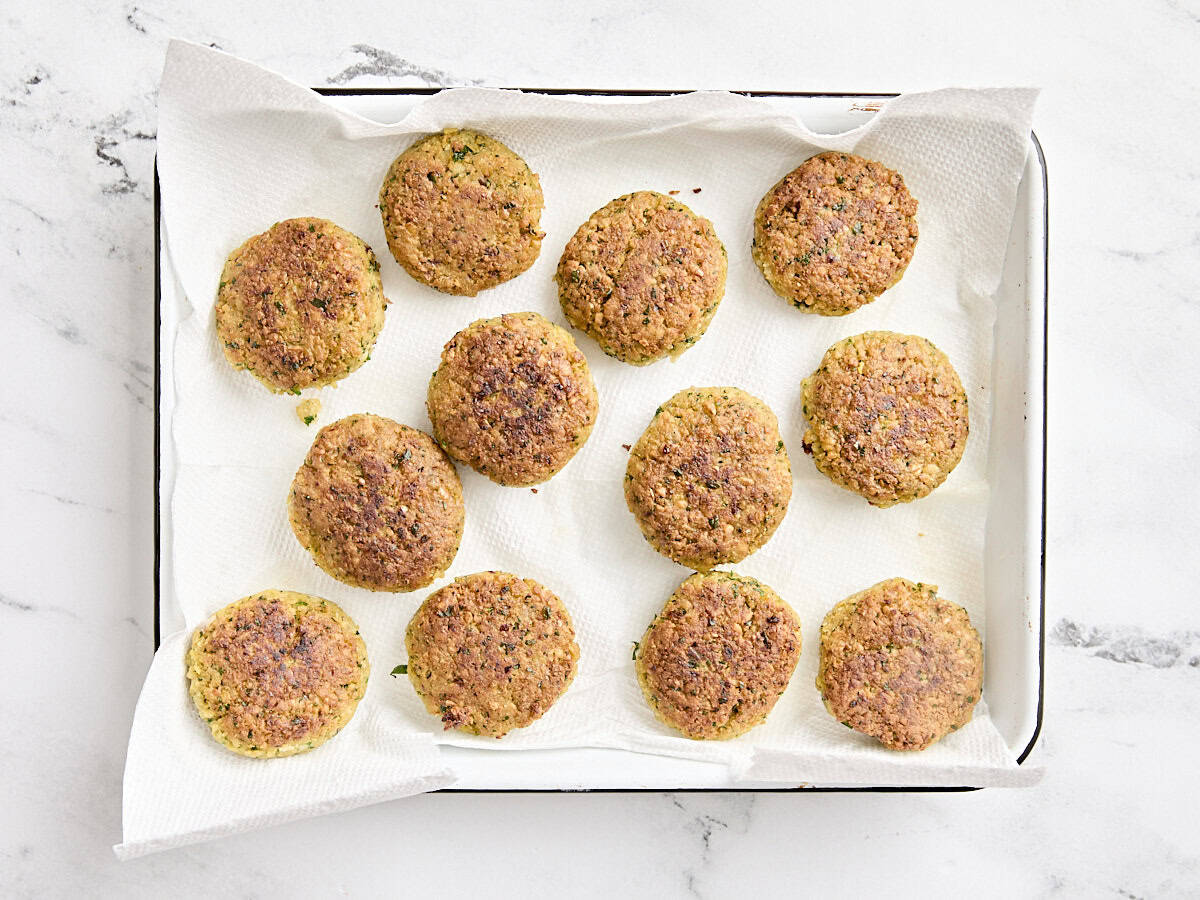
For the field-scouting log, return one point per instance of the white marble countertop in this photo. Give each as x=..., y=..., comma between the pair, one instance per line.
x=1115, y=814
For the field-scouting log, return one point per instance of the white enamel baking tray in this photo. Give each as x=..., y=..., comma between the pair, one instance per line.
x=1016, y=526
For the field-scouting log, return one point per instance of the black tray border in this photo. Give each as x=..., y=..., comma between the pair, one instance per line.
x=649, y=92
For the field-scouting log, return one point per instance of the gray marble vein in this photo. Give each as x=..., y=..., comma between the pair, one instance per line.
x=1130, y=644
x=379, y=63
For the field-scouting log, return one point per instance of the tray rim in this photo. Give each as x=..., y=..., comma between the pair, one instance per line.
x=427, y=90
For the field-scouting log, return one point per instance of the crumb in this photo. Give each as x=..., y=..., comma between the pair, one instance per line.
x=308, y=409
x=534, y=490
x=920, y=534
x=672, y=193
x=627, y=447
x=695, y=190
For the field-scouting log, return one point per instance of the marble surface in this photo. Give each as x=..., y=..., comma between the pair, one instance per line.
x=1115, y=814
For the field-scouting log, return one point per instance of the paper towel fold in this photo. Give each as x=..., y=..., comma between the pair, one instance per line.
x=240, y=148
x=181, y=786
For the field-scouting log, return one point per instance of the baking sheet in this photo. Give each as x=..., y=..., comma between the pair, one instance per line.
x=553, y=776
x=1014, y=551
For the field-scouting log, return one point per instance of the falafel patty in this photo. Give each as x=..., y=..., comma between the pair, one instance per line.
x=713, y=663
x=491, y=652
x=377, y=504
x=900, y=664
x=643, y=276
x=461, y=212
x=300, y=305
x=887, y=416
x=709, y=481
x=835, y=233
x=277, y=673
x=513, y=398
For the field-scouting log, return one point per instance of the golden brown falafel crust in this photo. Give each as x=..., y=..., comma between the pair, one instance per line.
x=835, y=233
x=513, y=398
x=491, y=652
x=461, y=212
x=713, y=663
x=277, y=673
x=300, y=305
x=378, y=504
x=887, y=416
x=901, y=664
x=643, y=276
x=709, y=481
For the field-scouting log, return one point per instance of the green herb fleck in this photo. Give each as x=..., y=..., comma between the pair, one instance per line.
x=401, y=669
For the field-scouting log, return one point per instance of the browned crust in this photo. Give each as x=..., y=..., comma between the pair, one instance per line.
x=277, y=673
x=713, y=663
x=901, y=664
x=461, y=212
x=835, y=233
x=300, y=305
x=378, y=504
x=513, y=398
x=887, y=416
x=643, y=277
x=491, y=652
x=709, y=481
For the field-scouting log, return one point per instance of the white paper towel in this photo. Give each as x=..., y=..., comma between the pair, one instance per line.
x=240, y=148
